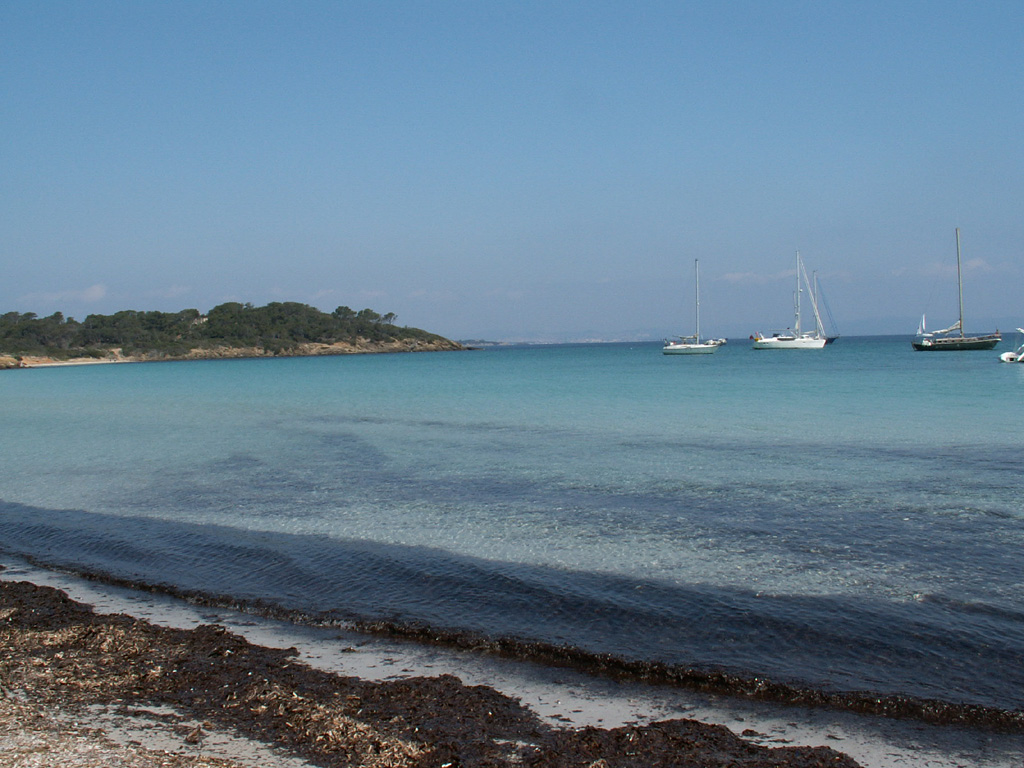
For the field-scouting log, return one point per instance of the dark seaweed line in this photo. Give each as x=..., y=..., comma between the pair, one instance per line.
x=756, y=688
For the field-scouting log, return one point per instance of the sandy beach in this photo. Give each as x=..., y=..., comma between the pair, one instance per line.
x=100, y=675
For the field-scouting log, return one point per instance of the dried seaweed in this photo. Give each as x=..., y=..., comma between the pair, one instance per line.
x=63, y=654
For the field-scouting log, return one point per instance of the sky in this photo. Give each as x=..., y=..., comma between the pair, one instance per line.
x=516, y=171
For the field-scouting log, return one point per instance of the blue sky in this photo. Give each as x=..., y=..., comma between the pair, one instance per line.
x=531, y=170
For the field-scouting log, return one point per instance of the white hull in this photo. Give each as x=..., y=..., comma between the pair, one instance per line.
x=688, y=349
x=783, y=342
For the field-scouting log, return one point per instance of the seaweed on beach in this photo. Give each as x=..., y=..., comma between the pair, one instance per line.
x=61, y=654
x=713, y=681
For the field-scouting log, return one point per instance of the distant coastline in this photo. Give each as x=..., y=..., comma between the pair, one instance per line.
x=115, y=355
x=228, y=331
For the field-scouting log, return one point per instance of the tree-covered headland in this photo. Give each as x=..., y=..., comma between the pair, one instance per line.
x=232, y=329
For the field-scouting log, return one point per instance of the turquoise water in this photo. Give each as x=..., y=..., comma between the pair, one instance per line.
x=848, y=518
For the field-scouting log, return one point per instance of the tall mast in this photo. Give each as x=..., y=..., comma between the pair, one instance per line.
x=814, y=303
x=959, y=283
x=796, y=296
x=696, y=280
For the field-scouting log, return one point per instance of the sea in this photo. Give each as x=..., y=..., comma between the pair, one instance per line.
x=846, y=520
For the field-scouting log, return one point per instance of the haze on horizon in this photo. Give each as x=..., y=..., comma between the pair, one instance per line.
x=526, y=171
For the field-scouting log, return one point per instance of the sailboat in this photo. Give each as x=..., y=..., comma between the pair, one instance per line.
x=692, y=345
x=926, y=341
x=796, y=338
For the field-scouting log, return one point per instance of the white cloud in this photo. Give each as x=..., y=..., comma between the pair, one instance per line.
x=758, y=277
x=318, y=296
x=977, y=265
x=944, y=269
x=175, y=291
x=93, y=293
x=442, y=296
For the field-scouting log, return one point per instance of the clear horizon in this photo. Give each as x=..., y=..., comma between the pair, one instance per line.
x=546, y=170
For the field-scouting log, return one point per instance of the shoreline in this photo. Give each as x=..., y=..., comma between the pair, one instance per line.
x=560, y=698
x=115, y=355
x=61, y=655
x=704, y=681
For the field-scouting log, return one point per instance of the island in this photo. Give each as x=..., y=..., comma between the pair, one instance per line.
x=229, y=330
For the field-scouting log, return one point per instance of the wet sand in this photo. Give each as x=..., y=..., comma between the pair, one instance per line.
x=164, y=679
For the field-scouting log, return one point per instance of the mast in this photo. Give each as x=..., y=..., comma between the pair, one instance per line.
x=959, y=283
x=696, y=276
x=796, y=295
x=814, y=301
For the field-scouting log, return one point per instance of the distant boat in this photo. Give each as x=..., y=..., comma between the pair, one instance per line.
x=796, y=338
x=951, y=341
x=1017, y=356
x=692, y=345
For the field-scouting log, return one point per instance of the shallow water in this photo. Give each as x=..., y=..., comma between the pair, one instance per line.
x=845, y=519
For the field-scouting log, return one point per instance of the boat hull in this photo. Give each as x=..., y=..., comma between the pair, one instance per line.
x=801, y=342
x=688, y=349
x=957, y=344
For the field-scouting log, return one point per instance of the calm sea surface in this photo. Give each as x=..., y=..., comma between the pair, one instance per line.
x=849, y=519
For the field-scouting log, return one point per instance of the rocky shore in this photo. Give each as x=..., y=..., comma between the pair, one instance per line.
x=72, y=679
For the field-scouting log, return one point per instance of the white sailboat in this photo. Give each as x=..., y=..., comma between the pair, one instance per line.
x=796, y=338
x=692, y=345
